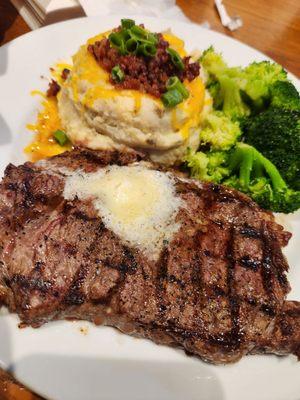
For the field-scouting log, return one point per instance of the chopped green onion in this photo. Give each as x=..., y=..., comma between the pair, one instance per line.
x=117, y=73
x=147, y=49
x=137, y=32
x=176, y=59
x=131, y=37
x=116, y=40
x=172, y=82
x=60, y=137
x=124, y=33
x=131, y=45
x=152, y=38
x=175, y=83
x=171, y=98
x=143, y=36
x=127, y=23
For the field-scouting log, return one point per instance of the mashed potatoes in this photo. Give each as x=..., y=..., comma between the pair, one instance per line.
x=97, y=115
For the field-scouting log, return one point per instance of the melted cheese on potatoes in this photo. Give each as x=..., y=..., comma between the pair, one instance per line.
x=138, y=204
x=48, y=121
x=97, y=115
x=90, y=83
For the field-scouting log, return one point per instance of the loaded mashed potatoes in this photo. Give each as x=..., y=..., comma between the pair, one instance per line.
x=127, y=88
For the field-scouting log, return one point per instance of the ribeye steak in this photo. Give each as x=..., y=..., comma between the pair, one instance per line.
x=217, y=287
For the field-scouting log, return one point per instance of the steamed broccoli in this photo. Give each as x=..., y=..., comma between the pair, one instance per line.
x=238, y=90
x=260, y=101
x=213, y=87
x=213, y=62
x=208, y=166
x=258, y=79
x=276, y=134
x=230, y=97
x=219, y=132
x=224, y=84
x=285, y=95
x=247, y=170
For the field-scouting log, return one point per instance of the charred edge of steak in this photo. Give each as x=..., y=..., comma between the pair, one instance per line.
x=90, y=160
x=269, y=271
x=22, y=182
x=285, y=337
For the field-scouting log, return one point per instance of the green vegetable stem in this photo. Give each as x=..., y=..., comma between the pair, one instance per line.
x=60, y=137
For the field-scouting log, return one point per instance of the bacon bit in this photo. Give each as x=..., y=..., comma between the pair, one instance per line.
x=65, y=73
x=146, y=74
x=53, y=88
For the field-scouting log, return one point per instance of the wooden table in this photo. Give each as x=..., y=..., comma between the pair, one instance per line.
x=272, y=26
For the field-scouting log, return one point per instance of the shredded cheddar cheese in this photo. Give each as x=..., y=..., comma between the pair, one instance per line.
x=86, y=69
x=57, y=70
x=44, y=145
x=175, y=43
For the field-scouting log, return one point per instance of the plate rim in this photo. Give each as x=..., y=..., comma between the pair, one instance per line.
x=31, y=34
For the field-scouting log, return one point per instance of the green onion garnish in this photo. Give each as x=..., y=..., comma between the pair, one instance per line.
x=171, y=98
x=116, y=40
x=152, y=38
x=127, y=23
x=137, y=32
x=131, y=45
x=124, y=33
x=60, y=137
x=176, y=59
x=175, y=83
x=147, y=49
x=131, y=37
x=117, y=74
x=143, y=36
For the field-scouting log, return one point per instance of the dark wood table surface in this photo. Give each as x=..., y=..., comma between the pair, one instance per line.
x=271, y=26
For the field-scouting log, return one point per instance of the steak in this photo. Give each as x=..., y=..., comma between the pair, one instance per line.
x=217, y=288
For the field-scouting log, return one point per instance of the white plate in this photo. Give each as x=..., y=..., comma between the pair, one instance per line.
x=58, y=360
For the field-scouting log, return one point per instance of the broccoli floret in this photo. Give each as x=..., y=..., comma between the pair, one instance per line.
x=207, y=166
x=219, y=132
x=212, y=62
x=246, y=169
x=251, y=164
x=213, y=87
x=235, y=90
x=230, y=96
x=253, y=174
x=224, y=84
x=259, y=76
x=285, y=95
x=276, y=134
x=285, y=201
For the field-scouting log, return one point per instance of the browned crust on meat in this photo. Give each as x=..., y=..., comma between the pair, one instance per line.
x=218, y=289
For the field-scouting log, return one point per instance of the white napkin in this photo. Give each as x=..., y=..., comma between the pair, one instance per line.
x=43, y=12
x=152, y=8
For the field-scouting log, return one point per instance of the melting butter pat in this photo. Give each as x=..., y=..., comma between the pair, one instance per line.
x=138, y=204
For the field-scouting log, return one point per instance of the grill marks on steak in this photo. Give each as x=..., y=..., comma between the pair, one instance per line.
x=218, y=288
